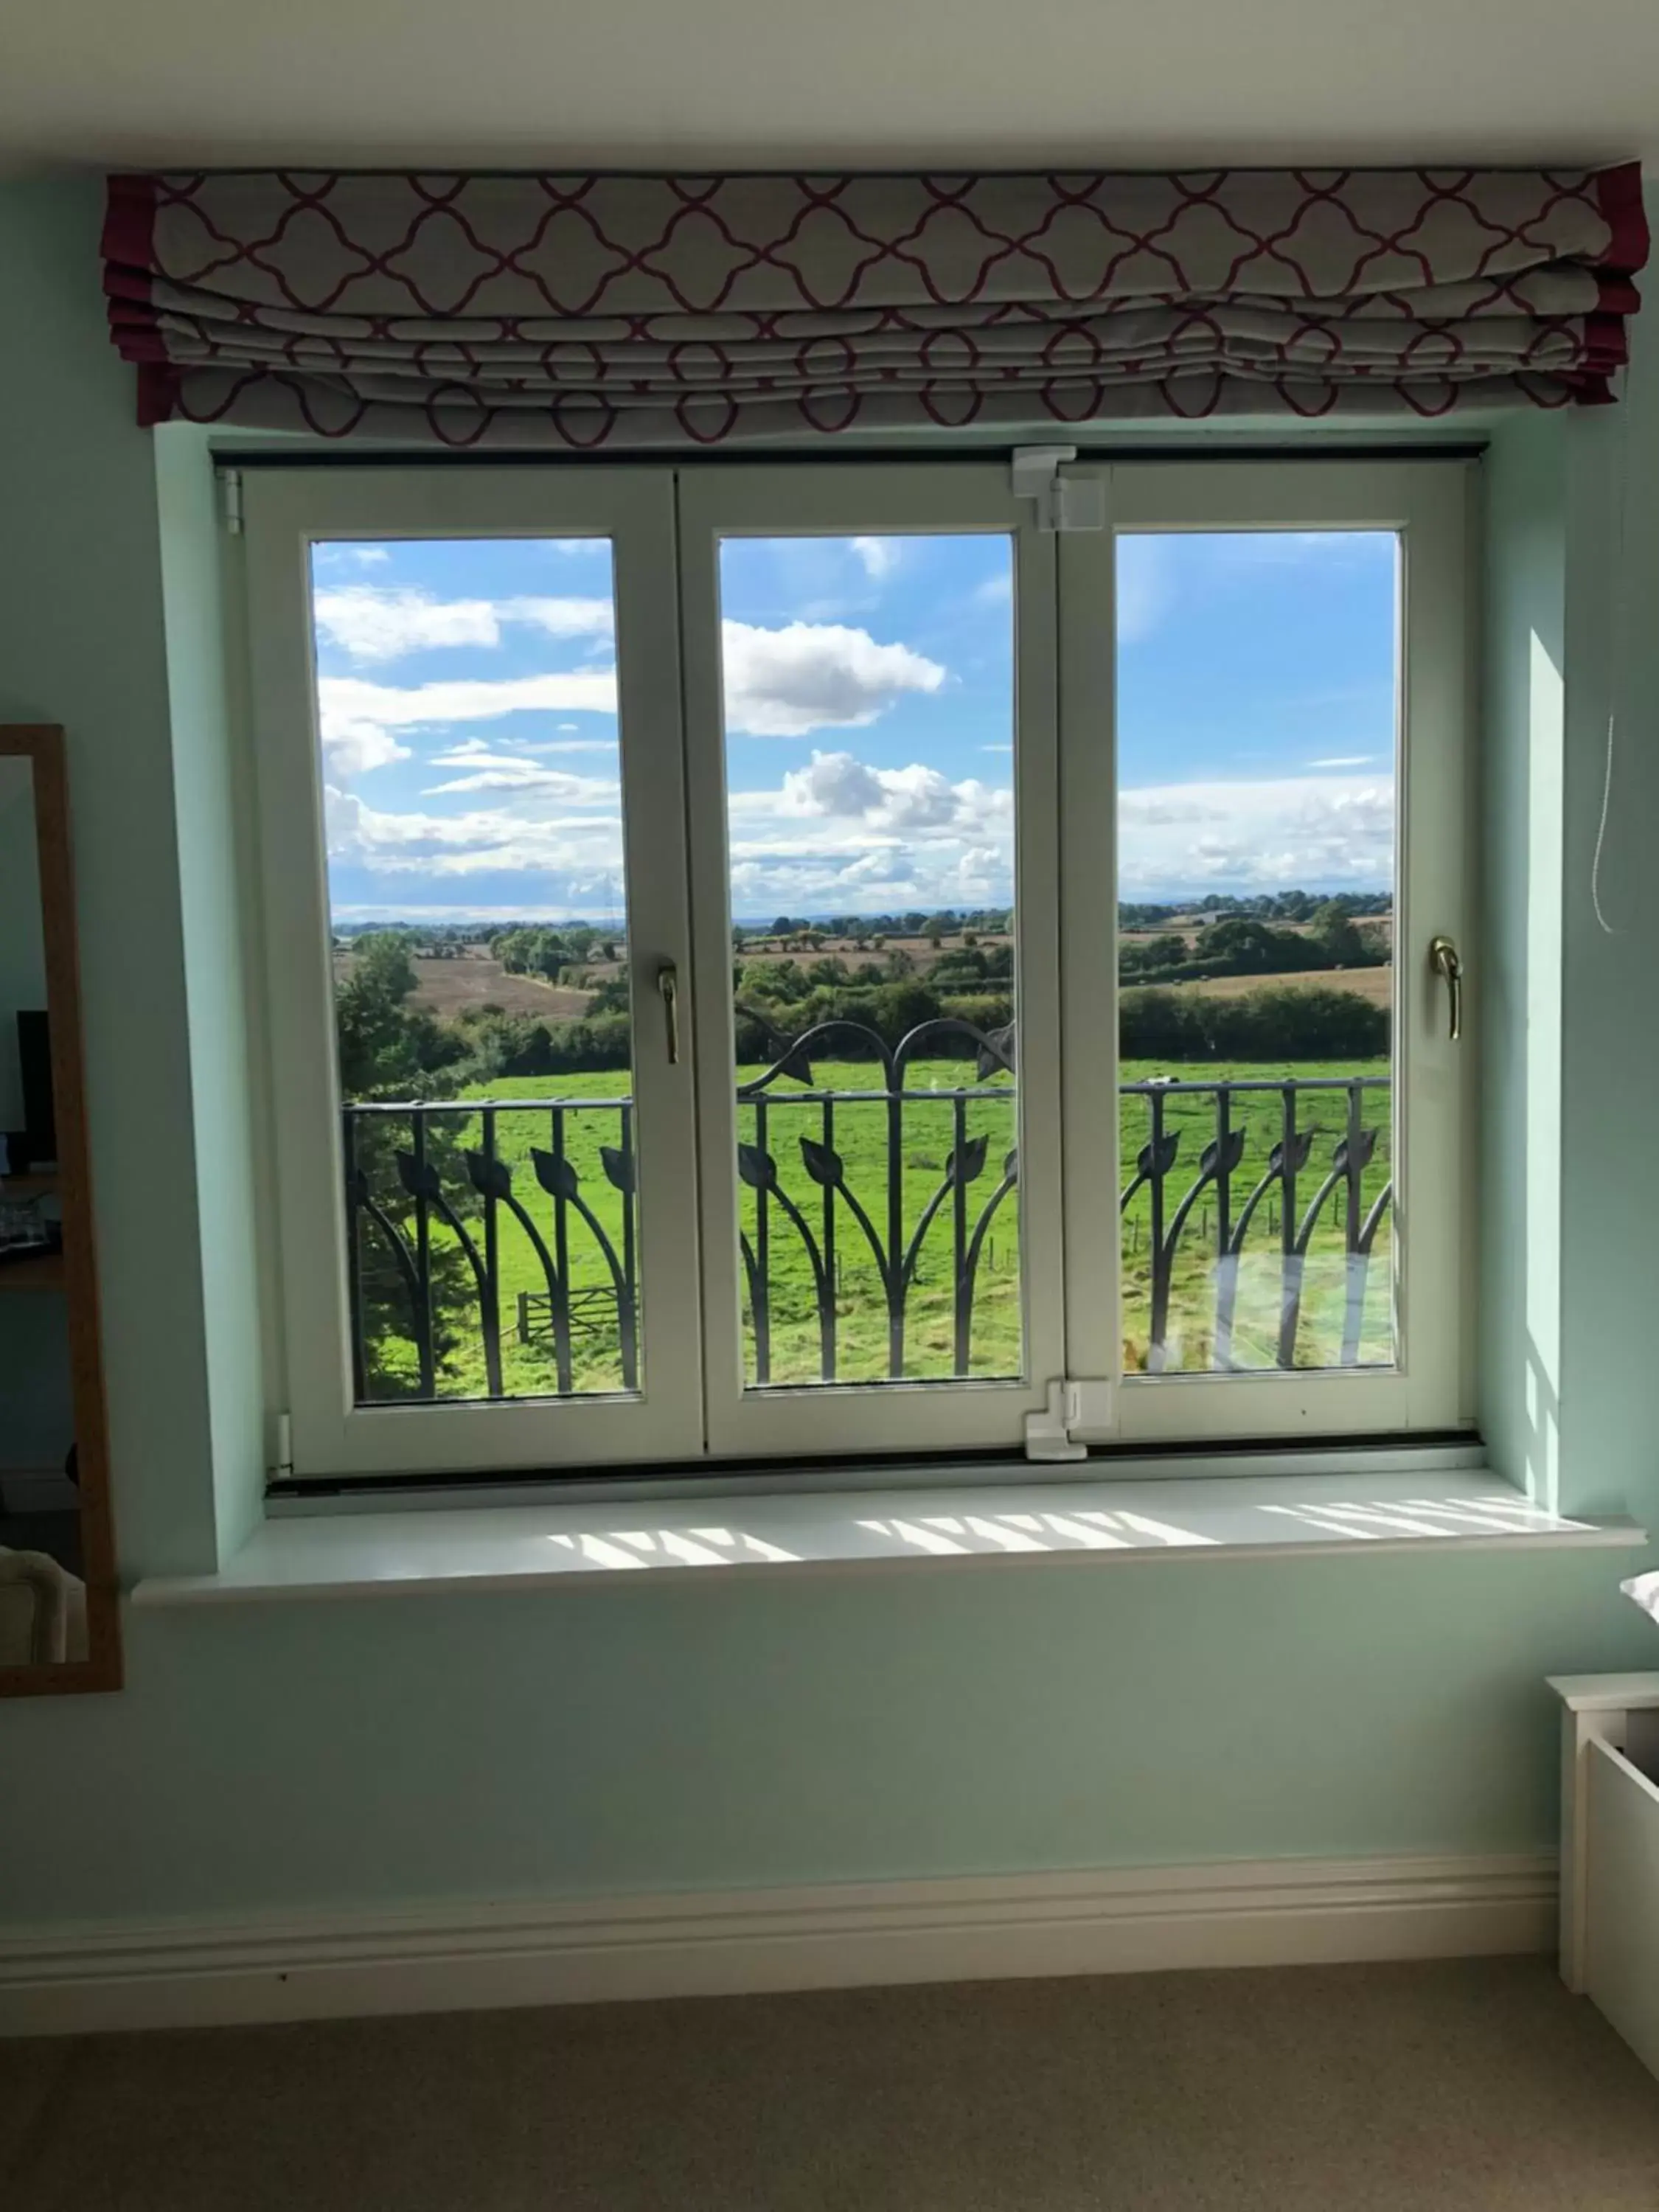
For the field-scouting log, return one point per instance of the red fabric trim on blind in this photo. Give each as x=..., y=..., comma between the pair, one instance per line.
x=1620, y=192
x=130, y=223
x=158, y=392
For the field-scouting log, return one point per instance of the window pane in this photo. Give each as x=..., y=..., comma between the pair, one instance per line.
x=869, y=716
x=1257, y=715
x=467, y=708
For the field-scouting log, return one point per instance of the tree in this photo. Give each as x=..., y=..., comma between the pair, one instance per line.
x=1238, y=948
x=390, y=1051
x=1334, y=932
x=377, y=1053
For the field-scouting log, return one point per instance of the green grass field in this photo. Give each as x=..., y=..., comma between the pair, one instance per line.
x=860, y=1137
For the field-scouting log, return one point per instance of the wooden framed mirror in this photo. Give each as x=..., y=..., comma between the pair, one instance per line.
x=59, y=1620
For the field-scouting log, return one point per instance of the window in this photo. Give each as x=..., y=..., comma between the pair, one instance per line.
x=788, y=960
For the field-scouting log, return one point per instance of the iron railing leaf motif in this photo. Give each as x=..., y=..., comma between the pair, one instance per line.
x=1288, y=1155
x=443, y=1210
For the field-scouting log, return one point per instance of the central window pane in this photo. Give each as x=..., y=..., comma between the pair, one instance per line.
x=870, y=723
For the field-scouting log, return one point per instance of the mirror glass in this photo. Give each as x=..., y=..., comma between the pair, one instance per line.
x=57, y=1601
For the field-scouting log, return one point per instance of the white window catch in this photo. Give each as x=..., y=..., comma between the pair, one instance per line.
x=1051, y=1434
x=1063, y=503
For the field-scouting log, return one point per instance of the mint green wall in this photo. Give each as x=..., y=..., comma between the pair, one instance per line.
x=1610, y=984
x=216, y=865
x=403, y=1750
x=1515, y=972
x=430, y=1747
x=82, y=643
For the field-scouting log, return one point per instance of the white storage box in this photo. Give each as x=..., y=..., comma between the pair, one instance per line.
x=1610, y=1849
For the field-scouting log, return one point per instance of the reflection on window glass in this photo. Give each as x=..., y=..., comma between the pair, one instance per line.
x=1257, y=718
x=869, y=747
x=466, y=698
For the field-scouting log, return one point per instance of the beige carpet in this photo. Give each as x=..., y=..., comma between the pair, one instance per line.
x=1463, y=2086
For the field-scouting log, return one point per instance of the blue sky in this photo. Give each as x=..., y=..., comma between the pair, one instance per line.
x=467, y=706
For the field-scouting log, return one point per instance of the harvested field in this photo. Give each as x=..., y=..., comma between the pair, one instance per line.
x=1376, y=984
x=445, y=987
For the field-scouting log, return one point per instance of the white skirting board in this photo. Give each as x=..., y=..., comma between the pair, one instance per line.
x=1242, y=1913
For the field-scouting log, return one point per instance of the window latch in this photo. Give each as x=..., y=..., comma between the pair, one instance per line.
x=1444, y=961
x=1086, y=1406
x=668, y=986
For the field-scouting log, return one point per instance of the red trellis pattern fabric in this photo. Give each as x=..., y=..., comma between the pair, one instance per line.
x=605, y=310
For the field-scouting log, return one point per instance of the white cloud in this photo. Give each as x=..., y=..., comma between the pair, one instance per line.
x=880, y=555
x=1278, y=834
x=837, y=832
x=874, y=867
x=355, y=715
x=569, y=618
x=837, y=787
x=375, y=625
x=372, y=623
x=840, y=833
x=980, y=872
x=352, y=745
x=484, y=770
x=812, y=675
x=360, y=556
x=1346, y=760
x=562, y=745
x=996, y=591
x=566, y=852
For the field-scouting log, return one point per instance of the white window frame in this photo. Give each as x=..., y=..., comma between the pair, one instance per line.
x=887, y=500
x=284, y=512
x=1431, y=1387
x=666, y=524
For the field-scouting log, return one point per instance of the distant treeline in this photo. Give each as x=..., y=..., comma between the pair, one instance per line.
x=1241, y=946
x=389, y=1049
x=578, y=940
x=1275, y=1022
x=1261, y=906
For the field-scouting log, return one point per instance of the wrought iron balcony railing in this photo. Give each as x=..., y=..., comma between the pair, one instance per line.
x=1274, y=1182
x=493, y=1251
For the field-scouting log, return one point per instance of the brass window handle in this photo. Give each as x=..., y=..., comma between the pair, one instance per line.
x=1444, y=961
x=668, y=984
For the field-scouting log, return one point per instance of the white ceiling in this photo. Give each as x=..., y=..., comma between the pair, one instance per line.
x=909, y=83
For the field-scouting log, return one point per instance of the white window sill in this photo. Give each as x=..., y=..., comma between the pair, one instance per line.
x=1106, y=1524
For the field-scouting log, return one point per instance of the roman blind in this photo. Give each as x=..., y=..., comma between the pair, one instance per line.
x=617, y=312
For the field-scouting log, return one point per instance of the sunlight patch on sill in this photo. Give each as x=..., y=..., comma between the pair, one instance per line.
x=1023, y=1526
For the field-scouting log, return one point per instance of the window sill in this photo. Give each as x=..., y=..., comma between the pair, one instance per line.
x=1105, y=1524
